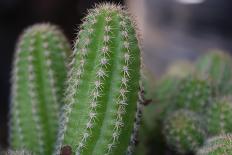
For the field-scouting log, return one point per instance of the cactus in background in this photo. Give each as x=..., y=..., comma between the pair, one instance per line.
x=219, y=145
x=183, y=131
x=195, y=93
x=38, y=77
x=218, y=116
x=103, y=86
x=218, y=66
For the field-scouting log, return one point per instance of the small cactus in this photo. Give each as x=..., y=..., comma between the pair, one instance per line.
x=38, y=77
x=195, y=93
x=218, y=116
x=102, y=86
x=218, y=145
x=217, y=65
x=183, y=131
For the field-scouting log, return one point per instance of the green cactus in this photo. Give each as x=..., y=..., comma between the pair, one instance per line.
x=103, y=86
x=183, y=131
x=218, y=116
x=217, y=65
x=218, y=145
x=195, y=93
x=38, y=77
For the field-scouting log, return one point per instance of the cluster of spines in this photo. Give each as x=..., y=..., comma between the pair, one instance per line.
x=78, y=69
x=218, y=145
x=41, y=46
x=183, y=131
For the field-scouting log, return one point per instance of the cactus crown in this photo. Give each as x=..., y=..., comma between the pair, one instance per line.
x=102, y=86
x=184, y=131
x=38, y=78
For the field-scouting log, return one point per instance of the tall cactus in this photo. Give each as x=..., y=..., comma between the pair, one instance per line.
x=103, y=86
x=218, y=145
x=38, y=77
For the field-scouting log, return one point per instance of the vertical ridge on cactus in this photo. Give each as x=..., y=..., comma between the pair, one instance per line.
x=38, y=78
x=103, y=85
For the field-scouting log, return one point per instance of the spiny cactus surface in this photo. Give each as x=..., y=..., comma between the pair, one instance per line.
x=219, y=145
x=217, y=65
x=183, y=131
x=218, y=116
x=103, y=86
x=194, y=93
x=38, y=77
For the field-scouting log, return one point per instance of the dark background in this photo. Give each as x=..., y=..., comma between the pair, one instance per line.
x=15, y=15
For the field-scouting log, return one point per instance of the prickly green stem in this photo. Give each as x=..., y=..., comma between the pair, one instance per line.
x=103, y=85
x=217, y=65
x=219, y=145
x=218, y=116
x=38, y=78
x=194, y=93
x=183, y=131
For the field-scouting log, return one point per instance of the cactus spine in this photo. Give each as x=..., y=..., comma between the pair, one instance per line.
x=218, y=116
x=38, y=78
x=103, y=85
x=183, y=131
x=219, y=145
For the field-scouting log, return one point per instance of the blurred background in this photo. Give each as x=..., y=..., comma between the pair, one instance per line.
x=172, y=29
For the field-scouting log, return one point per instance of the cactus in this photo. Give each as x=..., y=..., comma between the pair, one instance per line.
x=38, y=77
x=217, y=65
x=195, y=93
x=183, y=131
x=103, y=86
x=218, y=145
x=218, y=116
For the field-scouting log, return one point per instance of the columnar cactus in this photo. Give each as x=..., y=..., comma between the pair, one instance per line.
x=38, y=76
x=219, y=145
x=183, y=131
x=217, y=65
x=195, y=93
x=103, y=86
x=218, y=116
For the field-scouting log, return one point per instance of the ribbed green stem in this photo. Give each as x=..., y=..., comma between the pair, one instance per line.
x=103, y=85
x=37, y=83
